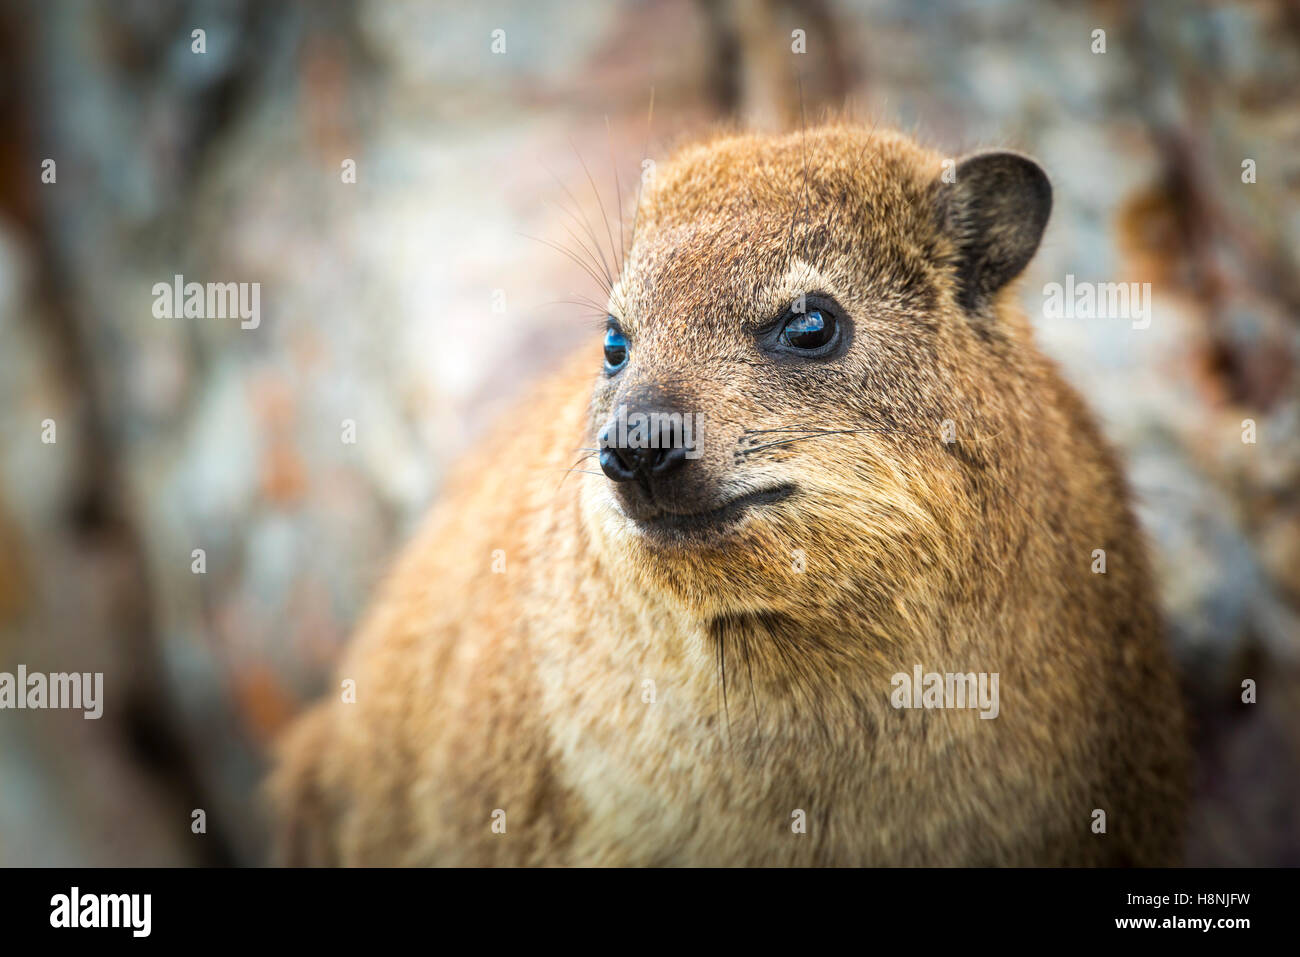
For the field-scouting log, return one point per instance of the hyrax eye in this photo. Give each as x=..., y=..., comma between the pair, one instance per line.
x=615, y=350
x=809, y=330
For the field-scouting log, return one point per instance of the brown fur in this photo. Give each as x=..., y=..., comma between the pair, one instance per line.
x=523, y=690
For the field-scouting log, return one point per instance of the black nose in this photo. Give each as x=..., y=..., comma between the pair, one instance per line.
x=624, y=457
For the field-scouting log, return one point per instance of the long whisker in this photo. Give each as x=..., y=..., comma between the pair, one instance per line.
x=800, y=210
x=802, y=433
x=585, y=222
x=640, y=182
x=582, y=300
x=779, y=431
x=595, y=261
x=818, y=435
x=984, y=472
x=609, y=233
x=592, y=310
x=803, y=148
x=618, y=194
x=574, y=468
x=573, y=258
x=722, y=670
x=753, y=696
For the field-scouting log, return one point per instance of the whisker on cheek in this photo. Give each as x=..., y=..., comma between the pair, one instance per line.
x=816, y=435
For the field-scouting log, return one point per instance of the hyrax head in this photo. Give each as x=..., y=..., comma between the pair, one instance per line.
x=798, y=321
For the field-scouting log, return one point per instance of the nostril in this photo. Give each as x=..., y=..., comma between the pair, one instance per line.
x=615, y=466
x=667, y=461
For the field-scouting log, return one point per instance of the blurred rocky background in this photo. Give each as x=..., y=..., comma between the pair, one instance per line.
x=418, y=300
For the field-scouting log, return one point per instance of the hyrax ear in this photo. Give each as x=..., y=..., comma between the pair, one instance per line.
x=995, y=213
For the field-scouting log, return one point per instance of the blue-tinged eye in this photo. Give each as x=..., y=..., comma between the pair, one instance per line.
x=809, y=330
x=615, y=350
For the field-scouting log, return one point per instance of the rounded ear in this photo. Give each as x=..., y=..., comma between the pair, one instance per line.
x=995, y=213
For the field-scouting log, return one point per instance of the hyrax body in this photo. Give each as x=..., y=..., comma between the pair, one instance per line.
x=662, y=658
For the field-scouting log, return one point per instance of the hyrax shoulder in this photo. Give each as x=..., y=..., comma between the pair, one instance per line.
x=801, y=570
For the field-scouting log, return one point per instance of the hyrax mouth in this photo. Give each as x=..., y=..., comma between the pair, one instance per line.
x=671, y=527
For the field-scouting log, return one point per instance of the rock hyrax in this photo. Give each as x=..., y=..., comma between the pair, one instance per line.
x=709, y=640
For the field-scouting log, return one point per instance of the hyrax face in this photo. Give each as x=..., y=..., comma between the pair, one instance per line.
x=798, y=321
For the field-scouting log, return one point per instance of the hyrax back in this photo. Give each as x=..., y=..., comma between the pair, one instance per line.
x=671, y=658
